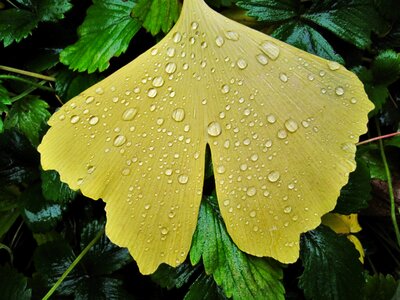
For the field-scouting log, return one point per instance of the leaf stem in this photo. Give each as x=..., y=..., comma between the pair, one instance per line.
x=27, y=73
x=73, y=265
x=390, y=186
x=40, y=86
x=380, y=137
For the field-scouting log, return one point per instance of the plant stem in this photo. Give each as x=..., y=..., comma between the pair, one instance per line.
x=390, y=186
x=73, y=265
x=27, y=73
x=26, y=81
x=378, y=138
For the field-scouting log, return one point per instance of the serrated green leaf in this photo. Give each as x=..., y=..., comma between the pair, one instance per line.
x=386, y=67
x=112, y=257
x=380, y=287
x=55, y=190
x=355, y=195
x=332, y=269
x=18, y=159
x=239, y=275
x=15, y=25
x=271, y=11
x=13, y=285
x=51, y=260
x=29, y=115
x=52, y=10
x=169, y=277
x=4, y=99
x=156, y=15
x=375, y=164
x=69, y=84
x=106, y=32
x=39, y=214
x=305, y=37
x=204, y=288
x=101, y=288
x=351, y=20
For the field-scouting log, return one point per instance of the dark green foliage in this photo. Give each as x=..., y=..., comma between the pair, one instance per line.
x=380, y=287
x=331, y=266
x=13, y=285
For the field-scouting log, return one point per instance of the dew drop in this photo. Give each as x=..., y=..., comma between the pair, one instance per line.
x=90, y=169
x=74, y=119
x=254, y=157
x=195, y=25
x=253, y=214
x=291, y=125
x=221, y=170
x=152, y=93
x=266, y=193
x=170, y=68
x=164, y=231
x=154, y=51
x=311, y=77
x=271, y=49
x=262, y=59
x=353, y=100
x=126, y=172
x=282, y=134
x=271, y=119
x=177, y=37
x=119, y=140
x=183, y=179
x=158, y=81
x=170, y=52
x=333, y=65
x=214, y=129
x=219, y=41
x=251, y=191
x=99, y=91
x=268, y=144
x=226, y=202
x=283, y=77
x=79, y=181
x=168, y=172
x=273, y=176
x=232, y=35
x=305, y=124
x=225, y=89
x=255, y=228
x=178, y=114
x=241, y=63
x=93, y=120
x=339, y=91
x=287, y=209
x=129, y=114
x=160, y=121
x=89, y=100
x=147, y=206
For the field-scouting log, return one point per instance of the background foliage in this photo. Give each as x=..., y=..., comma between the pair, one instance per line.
x=44, y=226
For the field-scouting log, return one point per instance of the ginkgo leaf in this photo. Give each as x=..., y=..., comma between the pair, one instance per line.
x=281, y=125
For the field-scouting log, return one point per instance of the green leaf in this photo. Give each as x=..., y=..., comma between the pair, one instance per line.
x=371, y=156
x=100, y=288
x=386, y=67
x=332, y=269
x=380, y=287
x=157, y=15
x=393, y=141
x=69, y=84
x=106, y=32
x=13, y=285
x=356, y=194
x=240, y=275
x=51, y=260
x=305, y=37
x=204, y=288
x=169, y=277
x=52, y=10
x=29, y=115
x=18, y=159
x=8, y=199
x=55, y=190
x=15, y=25
x=4, y=99
x=351, y=20
x=7, y=219
x=271, y=11
x=112, y=257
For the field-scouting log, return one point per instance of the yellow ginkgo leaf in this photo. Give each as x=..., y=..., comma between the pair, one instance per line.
x=281, y=125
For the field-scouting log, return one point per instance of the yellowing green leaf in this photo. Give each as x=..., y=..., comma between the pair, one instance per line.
x=281, y=125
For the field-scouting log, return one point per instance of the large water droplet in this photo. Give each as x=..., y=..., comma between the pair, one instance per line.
x=262, y=59
x=225, y=89
x=232, y=35
x=339, y=91
x=214, y=129
x=219, y=40
x=333, y=65
x=274, y=176
x=291, y=125
x=119, y=140
x=152, y=93
x=170, y=68
x=183, y=179
x=251, y=191
x=99, y=91
x=90, y=169
x=89, y=100
x=74, y=119
x=93, y=120
x=220, y=169
x=271, y=49
x=195, y=25
x=282, y=134
x=177, y=37
x=271, y=119
x=178, y=114
x=158, y=81
x=129, y=114
x=283, y=77
x=253, y=214
x=241, y=63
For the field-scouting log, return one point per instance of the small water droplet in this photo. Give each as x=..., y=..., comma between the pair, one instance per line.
x=220, y=169
x=291, y=125
x=219, y=40
x=170, y=68
x=89, y=100
x=339, y=91
x=75, y=119
x=266, y=193
x=171, y=214
x=226, y=202
x=305, y=124
x=93, y=120
x=177, y=37
x=268, y=144
x=254, y=157
x=152, y=93
x=311, y=77
x=126, y=172
x=241, y=63
x=195, y=25
x=262, y=59
x=274, y=176
x=291, y=186
x=225, y=89
x=271, y=119
x=154, y=51
x=283, y=77
x=164, y=231
x=251, y=191
x=158, y=81
x=255, y=228
x=99, y=91
x=232, y=35
x=271, y=49
x=243, y=167
x=214, y=129
x=79, y=181
x=119, y=140
x=333, y=65
x=178, y=114
x=253, y=214
x=287, y=209
x=90, y=169
x=183, y=179
x=282, y=134
x=353, y=100
x=129, y=114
